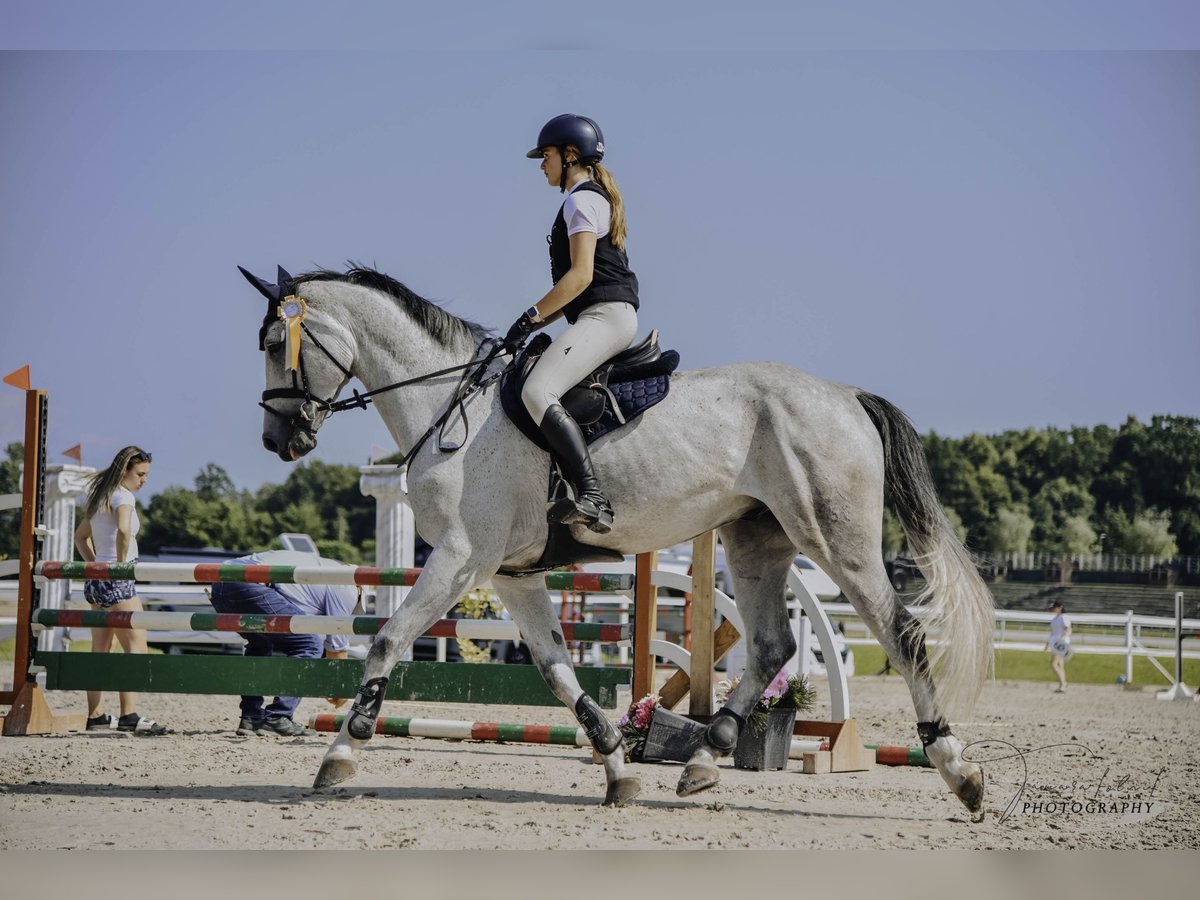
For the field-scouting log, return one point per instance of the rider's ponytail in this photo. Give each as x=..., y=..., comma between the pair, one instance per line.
x=616, y=225
x=603, y=177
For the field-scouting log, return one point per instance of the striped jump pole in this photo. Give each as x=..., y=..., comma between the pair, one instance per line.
x=211, y=573
x=454, y=729
x=896, y=755
x=885, y=754
x=451, y=729
x=470, y=629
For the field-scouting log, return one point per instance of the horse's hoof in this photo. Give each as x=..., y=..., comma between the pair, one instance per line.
x=622, y=791
x=334, y=771
x=697, y=777
x=970, y=792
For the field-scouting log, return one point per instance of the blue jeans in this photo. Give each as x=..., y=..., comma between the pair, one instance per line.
x=237, y=597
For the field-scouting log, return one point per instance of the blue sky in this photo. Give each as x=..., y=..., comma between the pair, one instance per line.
x=993, y=221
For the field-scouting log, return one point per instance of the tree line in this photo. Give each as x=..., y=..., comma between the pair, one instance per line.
x=1128, y=490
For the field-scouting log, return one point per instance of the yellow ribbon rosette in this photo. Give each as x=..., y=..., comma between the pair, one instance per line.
x=292, y=311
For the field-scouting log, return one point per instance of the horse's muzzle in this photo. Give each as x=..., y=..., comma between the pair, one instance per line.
x=299, y=444
x=302, y=443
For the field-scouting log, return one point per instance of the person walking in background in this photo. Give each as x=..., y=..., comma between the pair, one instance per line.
x=1059, y=644
x=278, y=717
x=108, y=534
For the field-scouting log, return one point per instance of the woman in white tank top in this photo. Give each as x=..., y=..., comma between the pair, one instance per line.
x=108, y=533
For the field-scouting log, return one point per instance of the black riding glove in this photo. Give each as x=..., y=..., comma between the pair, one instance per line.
x=520, y=330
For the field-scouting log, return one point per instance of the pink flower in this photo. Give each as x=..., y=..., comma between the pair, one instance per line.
x=640, y=714
x=777, y=688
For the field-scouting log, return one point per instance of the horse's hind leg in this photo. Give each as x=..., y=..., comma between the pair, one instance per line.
x=759, y=554
x=866, y=585
x=445, y=578
x=527, y=601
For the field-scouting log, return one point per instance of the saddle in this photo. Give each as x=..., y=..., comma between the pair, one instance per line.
x=613, y=395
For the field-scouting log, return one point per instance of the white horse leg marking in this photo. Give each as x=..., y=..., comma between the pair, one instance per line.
x=529, y=604
x=444, y=579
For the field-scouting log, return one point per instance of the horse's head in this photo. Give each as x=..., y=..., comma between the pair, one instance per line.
x=309, y=357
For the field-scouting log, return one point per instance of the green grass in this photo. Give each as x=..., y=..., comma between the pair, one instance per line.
x=1021, y=665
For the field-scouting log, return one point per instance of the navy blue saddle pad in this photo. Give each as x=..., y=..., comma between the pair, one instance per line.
x=635, y=380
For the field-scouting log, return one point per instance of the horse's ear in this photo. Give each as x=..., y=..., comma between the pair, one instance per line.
x=268, y=290
x=284, y=280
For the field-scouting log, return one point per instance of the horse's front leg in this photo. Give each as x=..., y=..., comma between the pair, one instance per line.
x=529, y=604
x=447, y=575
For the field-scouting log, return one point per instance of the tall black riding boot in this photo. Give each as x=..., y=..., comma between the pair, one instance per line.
x=590, y=507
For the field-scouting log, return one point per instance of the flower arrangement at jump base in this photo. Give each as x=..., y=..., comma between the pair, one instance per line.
x=635, y=725
x=785, y=692
x=766, y=741
x=653, y=732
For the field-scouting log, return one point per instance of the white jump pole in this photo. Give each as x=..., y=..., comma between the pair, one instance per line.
x=1179, y=691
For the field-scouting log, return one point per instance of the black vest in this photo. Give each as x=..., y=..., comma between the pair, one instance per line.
x=611, y=276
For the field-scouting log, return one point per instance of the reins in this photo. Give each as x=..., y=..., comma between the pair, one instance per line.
x=466, y=389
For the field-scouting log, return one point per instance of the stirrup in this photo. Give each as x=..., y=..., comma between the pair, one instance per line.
x=591, y=509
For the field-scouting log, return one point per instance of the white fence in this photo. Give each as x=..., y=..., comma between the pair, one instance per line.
x=1126, y=634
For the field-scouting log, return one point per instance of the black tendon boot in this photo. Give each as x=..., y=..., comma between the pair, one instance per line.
x=590, y=507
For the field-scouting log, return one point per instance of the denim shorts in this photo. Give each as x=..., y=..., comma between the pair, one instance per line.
x=104, y=594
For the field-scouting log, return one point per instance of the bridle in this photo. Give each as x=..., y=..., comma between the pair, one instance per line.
x=311, y=406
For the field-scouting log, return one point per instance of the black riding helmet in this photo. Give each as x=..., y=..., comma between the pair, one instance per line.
x=566, y=129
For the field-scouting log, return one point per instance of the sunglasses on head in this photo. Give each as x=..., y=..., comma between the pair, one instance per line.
x=142, y=456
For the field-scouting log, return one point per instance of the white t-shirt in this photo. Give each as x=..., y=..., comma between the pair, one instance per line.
x=104, y=528
x=313, y=599
x=586, y=211
x=1058, y=627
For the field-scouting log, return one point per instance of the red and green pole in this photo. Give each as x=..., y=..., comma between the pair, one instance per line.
x=247, y=623
x=211, y=573
x=453, y=729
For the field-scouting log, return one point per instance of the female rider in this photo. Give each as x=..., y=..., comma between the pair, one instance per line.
x=594, y=290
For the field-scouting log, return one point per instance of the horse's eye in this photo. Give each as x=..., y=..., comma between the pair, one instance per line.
x=271, y=346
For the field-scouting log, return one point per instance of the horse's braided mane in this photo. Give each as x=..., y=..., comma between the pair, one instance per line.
x=443, y=326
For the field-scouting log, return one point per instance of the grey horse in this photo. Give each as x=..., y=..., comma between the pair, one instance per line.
x=774, y=459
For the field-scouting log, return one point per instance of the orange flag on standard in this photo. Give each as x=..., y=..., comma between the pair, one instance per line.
x=75, y=453
x=18, y=379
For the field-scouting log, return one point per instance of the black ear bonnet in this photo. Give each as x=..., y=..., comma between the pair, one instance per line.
x=284, y=287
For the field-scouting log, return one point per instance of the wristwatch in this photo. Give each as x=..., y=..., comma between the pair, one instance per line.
x=533, y=315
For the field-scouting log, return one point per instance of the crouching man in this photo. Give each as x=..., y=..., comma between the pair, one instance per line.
x=278, y=718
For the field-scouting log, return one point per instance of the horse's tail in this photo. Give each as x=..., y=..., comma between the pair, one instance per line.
x=961, y=611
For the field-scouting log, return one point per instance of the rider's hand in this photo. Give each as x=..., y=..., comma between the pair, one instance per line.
x=521, y=329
